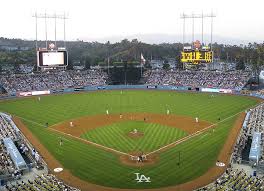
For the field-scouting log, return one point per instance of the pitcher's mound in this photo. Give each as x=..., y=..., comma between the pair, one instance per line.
x=135, y=134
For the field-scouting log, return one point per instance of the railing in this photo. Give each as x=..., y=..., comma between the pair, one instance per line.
x=117, y=87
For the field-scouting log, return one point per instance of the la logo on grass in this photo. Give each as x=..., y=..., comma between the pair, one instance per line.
x=142, y=178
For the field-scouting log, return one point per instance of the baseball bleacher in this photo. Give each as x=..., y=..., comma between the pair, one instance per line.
x=236, y=180
x=10, y=173
x=46, y=182
x=254, y=123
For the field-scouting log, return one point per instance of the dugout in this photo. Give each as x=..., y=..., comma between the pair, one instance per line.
x=15, y=154
x=255, y=150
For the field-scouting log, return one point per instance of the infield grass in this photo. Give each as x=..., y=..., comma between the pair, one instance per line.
x=116, y=136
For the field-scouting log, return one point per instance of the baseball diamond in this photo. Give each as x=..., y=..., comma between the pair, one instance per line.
x=131, y=96
x=97, y=149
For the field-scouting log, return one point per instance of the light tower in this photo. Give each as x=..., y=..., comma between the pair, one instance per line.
x=201, y=16
x=198, y=52
x=51, y=56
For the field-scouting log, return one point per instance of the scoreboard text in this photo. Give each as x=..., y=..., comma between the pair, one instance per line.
x=196, y=57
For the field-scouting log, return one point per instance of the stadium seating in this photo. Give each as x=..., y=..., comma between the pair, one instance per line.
x=9, y=170
x=228, y=80
x=46, y=182
x=255, y=123
x=76, y=78
x=52, y=80
x=6, y=129
x=236, y=180
x=7, y=166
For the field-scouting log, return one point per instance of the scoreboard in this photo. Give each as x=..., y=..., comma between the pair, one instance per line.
x=197, y=56
x=47, y=58
x=52, y=57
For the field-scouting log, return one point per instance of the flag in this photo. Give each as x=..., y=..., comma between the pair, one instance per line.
x=142, y=59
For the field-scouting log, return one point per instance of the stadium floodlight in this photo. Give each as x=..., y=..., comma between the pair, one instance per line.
x=197, y=16
x=198, y=52
x=51, y=55
x=54, y=16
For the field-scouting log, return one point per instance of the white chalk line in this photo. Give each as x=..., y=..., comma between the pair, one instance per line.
x=92, y=143
x=198, y=132
x=39, y=124
x=84, y=140
x=191, y=135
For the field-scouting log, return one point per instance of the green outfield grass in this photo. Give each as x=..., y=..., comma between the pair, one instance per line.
x=116, y=136
x=101, y=167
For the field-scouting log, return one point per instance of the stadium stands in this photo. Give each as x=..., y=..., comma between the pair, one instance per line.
x=6, y=129
x=228, y=80
x=46, y=182
x=236, y=180
x=259, y=93
x=52, y=80
x=7, y=166
x=14, y=152
x=254, y=123
x=75, y=78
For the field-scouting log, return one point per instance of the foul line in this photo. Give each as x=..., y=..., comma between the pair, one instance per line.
x=39, y=124
x=192, y=135
x=92, y=143
x=84, y=140
x=198, y=132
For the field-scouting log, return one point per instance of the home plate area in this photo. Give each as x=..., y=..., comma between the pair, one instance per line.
x=139, y=159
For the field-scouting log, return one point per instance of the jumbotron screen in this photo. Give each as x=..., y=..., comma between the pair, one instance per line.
x=52, y=58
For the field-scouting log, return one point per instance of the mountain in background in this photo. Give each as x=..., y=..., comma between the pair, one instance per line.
x=170, y=38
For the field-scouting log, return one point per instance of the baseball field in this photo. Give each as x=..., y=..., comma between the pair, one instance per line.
x=110, y=127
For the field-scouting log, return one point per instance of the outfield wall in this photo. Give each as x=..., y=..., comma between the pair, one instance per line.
x=119, y=87
x=157, y=87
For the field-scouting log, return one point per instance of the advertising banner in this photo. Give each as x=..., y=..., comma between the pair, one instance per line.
x=152, y=87
x=45, y=92
x=33, y=93
x=210, y=90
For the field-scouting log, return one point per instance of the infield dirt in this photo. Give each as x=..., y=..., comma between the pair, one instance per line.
x=84, y=124
x=185, y=123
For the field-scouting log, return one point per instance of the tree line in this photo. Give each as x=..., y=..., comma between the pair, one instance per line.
x=94, y=53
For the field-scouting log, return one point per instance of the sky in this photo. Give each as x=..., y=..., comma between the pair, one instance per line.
x=104, y=19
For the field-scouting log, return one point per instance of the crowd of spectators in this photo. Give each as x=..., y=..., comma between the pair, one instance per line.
x=236, y=180
x=6, y=129
x=47, y=182
x=218, y=79
x=239, y=147
x=259, y=93
x=9, y=170
x=52, y=80
x=7, y=166
x=256, y=120
x=255, y=123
